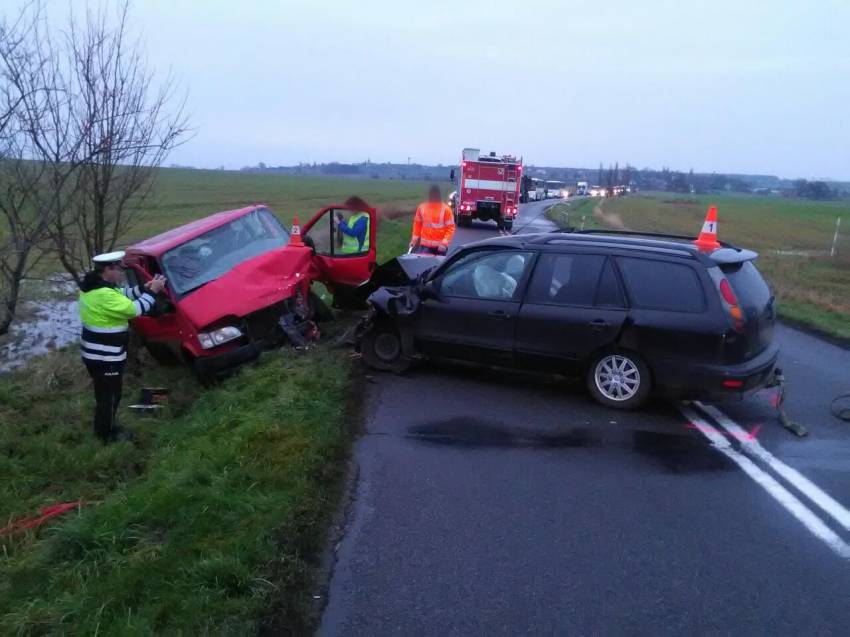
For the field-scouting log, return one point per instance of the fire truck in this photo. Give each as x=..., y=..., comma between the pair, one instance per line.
x=489, y=188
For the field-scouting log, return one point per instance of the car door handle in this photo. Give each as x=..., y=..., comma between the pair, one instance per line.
x=501, y=315
x=599, y=324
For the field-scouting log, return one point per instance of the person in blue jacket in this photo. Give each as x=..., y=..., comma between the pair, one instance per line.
x=353, y=237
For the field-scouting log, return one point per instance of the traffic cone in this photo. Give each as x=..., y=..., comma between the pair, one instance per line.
x=295, y=234
x=707, y=240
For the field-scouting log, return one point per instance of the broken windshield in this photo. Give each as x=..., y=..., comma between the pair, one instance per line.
x=207, y=257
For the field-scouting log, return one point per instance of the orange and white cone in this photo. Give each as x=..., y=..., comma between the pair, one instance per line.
x=707, y=240
x=295, y=233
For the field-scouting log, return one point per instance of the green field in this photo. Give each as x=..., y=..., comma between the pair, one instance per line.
x=211, y=520
x=792, y=236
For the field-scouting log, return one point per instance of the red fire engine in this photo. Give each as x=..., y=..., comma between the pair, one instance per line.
x=489, y=188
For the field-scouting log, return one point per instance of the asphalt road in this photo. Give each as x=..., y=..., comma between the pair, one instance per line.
x=491, y=503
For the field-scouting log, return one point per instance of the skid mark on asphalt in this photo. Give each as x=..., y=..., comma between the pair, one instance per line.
x=815, y=525
x=675, y=450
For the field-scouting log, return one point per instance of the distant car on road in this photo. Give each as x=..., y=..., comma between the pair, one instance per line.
x=632, y=312
x=238, y=283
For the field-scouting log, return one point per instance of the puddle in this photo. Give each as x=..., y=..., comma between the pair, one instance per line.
x=676, y=450
x=44, y=325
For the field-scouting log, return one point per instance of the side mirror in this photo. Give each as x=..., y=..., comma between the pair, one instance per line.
x=162, y=305
x=308, y=241
x=429, y=291
x=452, y=175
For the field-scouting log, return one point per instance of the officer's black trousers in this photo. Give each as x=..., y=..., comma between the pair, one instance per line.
x=108, y=380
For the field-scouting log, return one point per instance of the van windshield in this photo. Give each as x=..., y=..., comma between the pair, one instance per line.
x=207, y=257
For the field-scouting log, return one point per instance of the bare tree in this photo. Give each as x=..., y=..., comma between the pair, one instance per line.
x=38, y=149
x=83, y=127
x=128, y=126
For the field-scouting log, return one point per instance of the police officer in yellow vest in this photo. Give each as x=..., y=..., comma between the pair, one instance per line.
x=105, y=312
x=353, y=233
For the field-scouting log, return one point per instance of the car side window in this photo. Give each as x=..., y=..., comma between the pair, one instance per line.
x=662, y=285
x=609, y=293
x=565, y=279
x=486, y=274
x=321, y=233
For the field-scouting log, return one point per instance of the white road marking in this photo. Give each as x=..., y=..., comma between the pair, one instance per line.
x=808, y=488
x=782, y=495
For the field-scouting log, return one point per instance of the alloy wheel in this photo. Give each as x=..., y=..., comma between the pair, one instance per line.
x=617, y=377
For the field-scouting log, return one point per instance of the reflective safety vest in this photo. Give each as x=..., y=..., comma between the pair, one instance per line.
x=433, y=225
x=105, y=312
x=351, y=243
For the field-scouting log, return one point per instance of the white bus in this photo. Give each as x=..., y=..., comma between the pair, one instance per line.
x=536, y=189
x=554, y=190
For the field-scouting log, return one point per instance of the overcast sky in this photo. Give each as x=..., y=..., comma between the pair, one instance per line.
x=744, y=86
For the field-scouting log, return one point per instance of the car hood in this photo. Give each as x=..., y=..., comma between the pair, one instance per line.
x=252, y=285
x=400, y=271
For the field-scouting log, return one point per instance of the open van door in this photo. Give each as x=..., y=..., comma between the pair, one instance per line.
x=343, y=242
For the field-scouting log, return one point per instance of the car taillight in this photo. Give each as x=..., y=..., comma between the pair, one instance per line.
x=732, y=302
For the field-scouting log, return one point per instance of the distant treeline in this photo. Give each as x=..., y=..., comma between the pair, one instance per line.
x=614, y=175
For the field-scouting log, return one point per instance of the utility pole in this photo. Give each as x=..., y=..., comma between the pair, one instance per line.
x=835, y=238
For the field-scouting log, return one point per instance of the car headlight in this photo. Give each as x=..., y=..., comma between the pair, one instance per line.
x=218, y=337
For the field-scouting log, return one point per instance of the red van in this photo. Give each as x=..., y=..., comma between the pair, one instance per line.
x=239, y=283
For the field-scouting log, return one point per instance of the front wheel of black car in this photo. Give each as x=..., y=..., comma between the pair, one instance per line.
x=619, y=379
x=381, y=349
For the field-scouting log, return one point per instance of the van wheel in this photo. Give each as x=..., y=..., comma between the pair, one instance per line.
x=381, y=349
x=508, y=225
x=464, y=221
x=619, y=379
x=162, y=354
x=202, y=374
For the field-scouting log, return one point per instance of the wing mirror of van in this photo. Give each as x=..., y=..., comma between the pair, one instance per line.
x=428, y=290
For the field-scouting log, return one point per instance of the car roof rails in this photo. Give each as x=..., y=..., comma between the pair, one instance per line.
x=635, y=233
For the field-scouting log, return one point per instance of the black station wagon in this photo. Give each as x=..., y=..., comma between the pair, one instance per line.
x=633, y=312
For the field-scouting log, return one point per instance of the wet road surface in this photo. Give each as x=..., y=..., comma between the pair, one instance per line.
x=494, y=503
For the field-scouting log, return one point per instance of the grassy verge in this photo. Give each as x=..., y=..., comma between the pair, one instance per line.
x=576, y=213
x=793, y=239
x=216, y=512
x=212, y=516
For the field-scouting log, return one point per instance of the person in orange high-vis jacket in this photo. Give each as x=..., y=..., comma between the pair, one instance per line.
x=433, y=225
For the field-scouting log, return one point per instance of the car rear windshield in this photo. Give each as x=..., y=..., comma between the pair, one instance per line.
x=207, y=257
x=749, y=285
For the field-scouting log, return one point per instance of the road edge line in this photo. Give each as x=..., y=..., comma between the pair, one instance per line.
x=826, y=502
x=783, y=496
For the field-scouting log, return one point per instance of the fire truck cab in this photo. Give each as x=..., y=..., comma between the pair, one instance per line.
x=489, y=188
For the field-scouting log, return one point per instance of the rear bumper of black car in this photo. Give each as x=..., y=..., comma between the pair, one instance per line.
x=704, y=381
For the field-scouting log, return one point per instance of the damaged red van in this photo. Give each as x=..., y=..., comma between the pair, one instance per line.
x=238, y=282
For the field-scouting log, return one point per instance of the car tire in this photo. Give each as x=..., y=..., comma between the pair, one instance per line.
x=619, y=379
x=381, y=348
x=464, y=222
x=162, y=354
x=200, y=371
x=508, y=226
